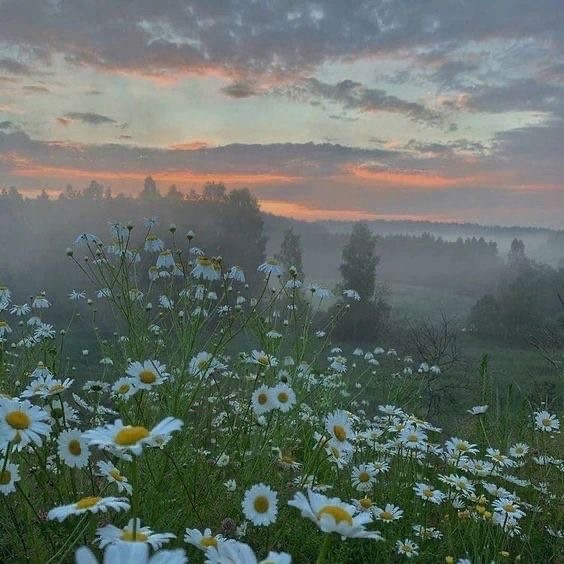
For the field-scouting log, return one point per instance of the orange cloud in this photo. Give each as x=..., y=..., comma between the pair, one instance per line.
x=26, y=168
x=189, y=146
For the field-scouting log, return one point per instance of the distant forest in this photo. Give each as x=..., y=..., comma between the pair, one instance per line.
x=516, y=291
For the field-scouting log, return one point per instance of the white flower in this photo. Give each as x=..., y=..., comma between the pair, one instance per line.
x=114, y=476
x=206, y=269
x=545, y=421
x=271, y=267
x=91, y=504
x=235, y=552
x=124, y=388
x=121, y=438
x=110, y=535
x=230, y=485
x=388, y=514
x=204, y=540
x=260, y=505
x=263, y=359
x=22, y=423
x=338, y=425
x=236, y=273
x=131, y=552
x=508, y=508
x=5, y=329
x=72, y=448
x=519, y=450
x=334, y=516
x=203, y=364
x=262, y=400
x=40, y=302
x=153, y=244
x=147, y=374
x=165, y=259
x=428, y=493
x=407, y=547
x=351, y=294
x=363, y=477
x=283, y=397
x=478, y=409
x=8, y=477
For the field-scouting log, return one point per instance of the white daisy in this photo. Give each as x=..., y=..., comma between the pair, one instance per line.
x=147, y=374
x=271, y=267
x=262, y=400
x=363, y=477
x=407, y=548
x=124, y=388
x=284, y=398
x=91, y=504
x=73, y=449
x=122, y=438
x=204, y=540
x=260, y=505
x=114, y=476
x=338, y=425
x=388, y=514
x=8, y=477
x=332, y=515
x=22, y=423
x=111, y=534
x=547, y=422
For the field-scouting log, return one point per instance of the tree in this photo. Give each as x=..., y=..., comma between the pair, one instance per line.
x=366, y=318
x=360, y=261
x=174, y=193
x=291, y=252
x=215, y=192
x=94, y=191
x=150, y=190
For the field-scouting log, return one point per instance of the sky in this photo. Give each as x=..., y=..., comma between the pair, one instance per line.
x=441, y=110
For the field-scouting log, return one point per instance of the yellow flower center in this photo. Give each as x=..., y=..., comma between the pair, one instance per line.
x=340, y=433
x=116, y=475
x=262, y=398
x=129, y=436
x=124, y=388
x=462, y=447
x=129, y=536
x=261, y=504
x=87, y=502
x=510, y=508
x=74, y=447
x=147, y=377
x=5, y=477
x=204, y=261
x=203, y=365
x=56, y=389
x=18, y=420
x=283, y=397
x=386, y=516
x=365, y=502
x=363, y=477
x=287, y=459
x=428, y=493
x=337, y=513
x=263, y=360
x=546, y=422
x=412, y=438
x=208, y=541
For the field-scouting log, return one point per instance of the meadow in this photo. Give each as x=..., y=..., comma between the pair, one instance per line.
x=223, y=423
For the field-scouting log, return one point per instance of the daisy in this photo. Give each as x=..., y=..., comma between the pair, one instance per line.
x=84, y=239
x=20, y=310
x=262, y=400
x=130, y=533
x=332, y=515
x=363, y=477
x=5, y=329
x=153, y=244
x=91, y=504
x=460, y=447
x=235, y=552
x=203, y=364
x=114, y=476
x=407, y=548
x=40, y=302
x=508, y=508
x=121, y=438
x=72, y=448
x=388, y=514
x=137, y=552
x=204, y=540
x=147, y=374
x=351, y=294
x=519, y=450
x=271, y=267
x=205, y=269
x=284, y=398
x=263, y=359
x=545, y=421
x=428, y=493
x=236, y=273
x=9, y=475
x=165, y=259
x=22, y=423
x=499, y=458
x=260, y=505
x=124, y=388
x=478, y=409
x=338, y=425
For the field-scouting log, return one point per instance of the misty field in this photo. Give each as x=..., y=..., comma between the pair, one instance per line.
x=222, y=422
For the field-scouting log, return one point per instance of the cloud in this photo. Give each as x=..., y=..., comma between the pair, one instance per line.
x=36, y=89
x=11, y=66
x=88, y=118
x=352, y=95
x=240, y=89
